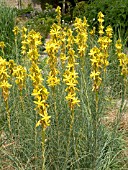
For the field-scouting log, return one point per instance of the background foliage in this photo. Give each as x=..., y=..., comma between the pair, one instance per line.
x=116, y=14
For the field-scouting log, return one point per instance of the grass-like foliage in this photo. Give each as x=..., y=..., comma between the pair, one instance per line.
x=53, y=110
x=7, y=23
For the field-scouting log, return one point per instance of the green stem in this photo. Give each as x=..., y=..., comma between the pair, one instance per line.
x=85, y=92
x=96, y=101
x=119, y=114
x=54, y=103
x=16, y=49
x=8, y=115
x=2, y=52
x=69, y=138
x=82, y=60
x=57, y=121
x=75, y=150
x=35, y=140
x=123, y=94
x=21, y=100
x=95, y=121
x=43, y=148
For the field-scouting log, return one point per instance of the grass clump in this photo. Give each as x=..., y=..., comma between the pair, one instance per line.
x=7, y=22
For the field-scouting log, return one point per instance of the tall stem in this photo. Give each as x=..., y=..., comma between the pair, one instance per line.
x=35, y=135
x=16, y=49
x=43, y=148
x=21, y=100
x=95, y=121
x=69, y=138
x=8, y=115
x=54, y=102
x=2, y=52
x=56, y=114
x=122, y=100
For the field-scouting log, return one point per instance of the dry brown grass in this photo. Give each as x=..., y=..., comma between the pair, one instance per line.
x=113, y=115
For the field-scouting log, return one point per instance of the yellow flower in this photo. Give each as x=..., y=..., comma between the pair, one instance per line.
x=15, y=30
x=63, y=57
x=19, y=72
x=101, y=20
x=33, y=54
x=95, y=74
x=118, y=45
x=109, y=31
x=72, y=99
x=94, y=51
x=58, y=17
x=40, y=94
x=36, y=92
x=92, y=32
x=75, y=101
x=40, y=103
x=11, y=66
x=5, y=89
x=5, y=84
x=72, y=83
x=77, y=23
x=45, y=121
x=3, y=73
x=58, y=10
x=70, y=75
x=34, y=39
x=100, y=17
x=2, y=44
x=3, y=70
x=24, y=30
x=96, y=61
x=123, y=59
x=104, y=42
x=52, y=47
x=53, y=80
